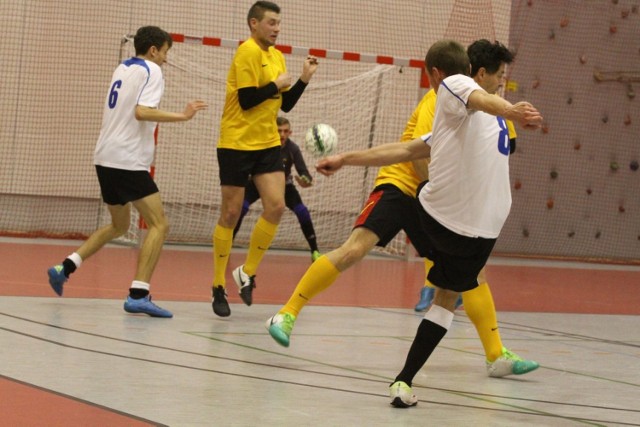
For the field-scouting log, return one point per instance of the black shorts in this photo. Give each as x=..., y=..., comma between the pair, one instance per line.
x=236, y=166
x=387, y=211
x=291, y=196
x=120, y=186
x=457, y=260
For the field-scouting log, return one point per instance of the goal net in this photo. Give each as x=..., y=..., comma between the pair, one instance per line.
x=54, y=79
x=366, y=103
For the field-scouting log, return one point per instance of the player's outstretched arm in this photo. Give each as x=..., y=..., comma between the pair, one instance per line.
x=385, y=154
x=523, y=113
x=155, y=115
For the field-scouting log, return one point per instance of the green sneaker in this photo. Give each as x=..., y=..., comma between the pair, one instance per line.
x=315, y=255
x=280, y=326
x=510, y=364
x=401, y=395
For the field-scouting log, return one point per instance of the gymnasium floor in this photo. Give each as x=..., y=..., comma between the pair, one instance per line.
x=81, y=360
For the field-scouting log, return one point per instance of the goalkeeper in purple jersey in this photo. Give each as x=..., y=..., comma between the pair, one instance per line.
x=291, y=156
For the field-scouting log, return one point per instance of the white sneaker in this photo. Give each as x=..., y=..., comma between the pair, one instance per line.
x=401, y=395
x=510, y=364
x=245, y=283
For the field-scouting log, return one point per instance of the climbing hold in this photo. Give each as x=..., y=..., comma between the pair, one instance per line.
x=614, y=166
x=633, y=165
x=553, y=174
x=549, y=203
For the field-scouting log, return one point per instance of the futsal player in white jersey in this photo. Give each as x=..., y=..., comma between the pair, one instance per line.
x=123, y=157
x=467, y=199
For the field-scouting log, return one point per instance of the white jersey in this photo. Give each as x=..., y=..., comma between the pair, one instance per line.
x=468, y=190
x=125, y=142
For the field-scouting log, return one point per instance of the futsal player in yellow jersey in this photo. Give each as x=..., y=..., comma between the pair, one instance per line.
x=258, y=86
x=390, y=208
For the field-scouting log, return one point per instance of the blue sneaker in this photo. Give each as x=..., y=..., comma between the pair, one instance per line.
x=426, y=297
x=144, y=305
x=57, y=278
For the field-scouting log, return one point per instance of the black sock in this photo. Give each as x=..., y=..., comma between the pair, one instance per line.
x=427, y=339
x=137, y=293
x=309, y=234
x=69, y=267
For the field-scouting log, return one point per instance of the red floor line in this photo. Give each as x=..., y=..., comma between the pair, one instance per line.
x=29, y=405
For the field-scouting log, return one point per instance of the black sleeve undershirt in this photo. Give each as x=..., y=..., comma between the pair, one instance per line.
x=249, y=97
x=290, y=97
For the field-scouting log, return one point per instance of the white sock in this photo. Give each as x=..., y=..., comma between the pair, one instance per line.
x=137, y=284
x=440, y=316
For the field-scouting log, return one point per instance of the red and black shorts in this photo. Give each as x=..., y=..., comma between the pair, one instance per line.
x=387, y=211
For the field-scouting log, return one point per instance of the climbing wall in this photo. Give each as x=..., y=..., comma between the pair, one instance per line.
x=575, y=183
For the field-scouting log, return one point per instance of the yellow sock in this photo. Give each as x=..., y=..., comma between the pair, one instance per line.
x=261, y=238
x=222, y=241
x=318, y=277
x=427, y=266
x=478, y=303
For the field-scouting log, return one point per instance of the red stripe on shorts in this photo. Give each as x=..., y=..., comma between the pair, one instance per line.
x=371, y=202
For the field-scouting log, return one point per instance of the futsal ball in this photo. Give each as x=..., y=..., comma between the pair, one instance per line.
x=320, y=140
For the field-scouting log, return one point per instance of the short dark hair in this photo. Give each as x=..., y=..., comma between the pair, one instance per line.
x=448, y=56
x=282, y=121
x=146, y=37
x=484, y=54
x=259, y=8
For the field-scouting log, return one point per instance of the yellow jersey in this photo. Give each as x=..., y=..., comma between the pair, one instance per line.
x=255, y=128
x=403, y=175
